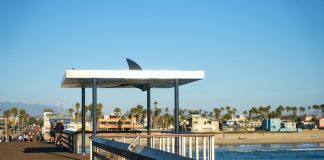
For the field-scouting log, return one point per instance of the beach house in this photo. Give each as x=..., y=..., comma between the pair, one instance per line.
x=276, y=125
x=115, y=122
x=198, y=123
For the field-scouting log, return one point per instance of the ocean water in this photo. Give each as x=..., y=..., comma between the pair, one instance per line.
x=271, y=151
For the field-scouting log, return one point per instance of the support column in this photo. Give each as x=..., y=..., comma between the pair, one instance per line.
x=148, y=100
x=94, y=105
x=83, y=119
x=176, y=114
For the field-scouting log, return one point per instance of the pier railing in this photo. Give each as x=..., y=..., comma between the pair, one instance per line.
x=193, y=146
x=101, y=148
x=196, y=146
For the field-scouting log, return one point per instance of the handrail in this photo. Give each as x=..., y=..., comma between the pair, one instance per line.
x=121, y=149
x=132, y=145
x=200, y=146
x=155, y=135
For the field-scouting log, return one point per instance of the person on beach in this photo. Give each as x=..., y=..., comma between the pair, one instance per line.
x=52, y=132
x=37, y=136
x=20, y=138
x=42, y=138
x=30, y=136
x=25, y=136
x=59, y=131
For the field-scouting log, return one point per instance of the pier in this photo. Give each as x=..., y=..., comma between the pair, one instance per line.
x=36, y=150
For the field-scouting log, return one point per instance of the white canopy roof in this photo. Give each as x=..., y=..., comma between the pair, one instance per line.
x=128, y=78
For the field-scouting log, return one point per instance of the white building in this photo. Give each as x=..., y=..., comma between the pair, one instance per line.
x=203, y=124
x=47, y=125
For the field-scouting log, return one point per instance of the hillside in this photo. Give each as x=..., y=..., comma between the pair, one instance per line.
x=32, y=109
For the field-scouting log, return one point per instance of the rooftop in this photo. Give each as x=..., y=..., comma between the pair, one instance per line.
x=128, y=78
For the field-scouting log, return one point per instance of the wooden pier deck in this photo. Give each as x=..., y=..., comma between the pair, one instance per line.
x=36, y=150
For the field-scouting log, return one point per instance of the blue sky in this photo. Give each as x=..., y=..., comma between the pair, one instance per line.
x=253, y=52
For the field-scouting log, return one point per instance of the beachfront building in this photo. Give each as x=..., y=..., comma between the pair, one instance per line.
x=115, y=122
x=239, y=118
x=320, y=123
x=276, y=125
x=198, y=123
x=238, y=122
x=249, y=125
x=271, y=124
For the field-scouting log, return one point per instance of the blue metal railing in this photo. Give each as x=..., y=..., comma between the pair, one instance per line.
x=108, y=149
x=123, y=145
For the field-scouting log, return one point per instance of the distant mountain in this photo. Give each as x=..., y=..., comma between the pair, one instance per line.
x=32, y=109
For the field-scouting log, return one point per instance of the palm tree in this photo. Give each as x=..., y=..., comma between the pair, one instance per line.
x=166, y=120
x=166, y=110
x=86, y=109
x=99, y=110
x=245, y=113
x=309, y=108
x=294, y=110
x=157, y=112
x=234, y=111
x=90, y=109
x=77, y=107
x=302, y=109
x=316, y=107
x=288, y=109
x=71, y=110
x=14, y=112
x=228, y=108
x=139, y=111
x=279, y=111
x=210, y=114
x=222, y=109
x=117, y=111
x=252, y=112
x=155, y=103
x=6, y=114
x=23, y=117
x=217, y=113
x=322, y=108
x=267, y=110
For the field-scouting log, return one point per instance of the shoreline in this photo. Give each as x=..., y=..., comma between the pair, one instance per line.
x=314, y=136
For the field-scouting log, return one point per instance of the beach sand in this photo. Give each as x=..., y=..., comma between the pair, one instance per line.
x=306, y=136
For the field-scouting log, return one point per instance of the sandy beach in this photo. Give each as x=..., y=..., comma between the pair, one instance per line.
x=306, y=136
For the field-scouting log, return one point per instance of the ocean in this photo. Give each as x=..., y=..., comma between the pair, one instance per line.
x=270, y=151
